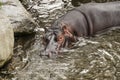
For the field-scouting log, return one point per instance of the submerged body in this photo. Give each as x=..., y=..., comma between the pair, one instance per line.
x=85, y=20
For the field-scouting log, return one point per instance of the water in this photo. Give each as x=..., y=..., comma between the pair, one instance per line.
x=93, y=58
x=96, y=58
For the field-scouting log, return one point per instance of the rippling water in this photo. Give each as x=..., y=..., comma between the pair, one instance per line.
x=94, y=58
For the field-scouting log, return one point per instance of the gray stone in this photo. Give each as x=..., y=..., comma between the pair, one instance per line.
x=20, y=19
x=6, y=39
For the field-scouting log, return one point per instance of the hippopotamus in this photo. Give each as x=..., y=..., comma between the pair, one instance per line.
x=83, y=21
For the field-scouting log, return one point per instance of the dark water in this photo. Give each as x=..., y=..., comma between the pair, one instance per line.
x=94, y=58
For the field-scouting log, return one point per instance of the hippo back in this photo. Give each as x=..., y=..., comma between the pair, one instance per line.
x=100, y=16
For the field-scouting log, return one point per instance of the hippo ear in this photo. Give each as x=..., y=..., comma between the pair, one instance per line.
x=66, y=30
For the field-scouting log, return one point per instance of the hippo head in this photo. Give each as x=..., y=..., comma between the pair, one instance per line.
x=56, y=38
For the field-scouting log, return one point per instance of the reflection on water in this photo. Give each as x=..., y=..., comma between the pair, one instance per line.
x=94, y=58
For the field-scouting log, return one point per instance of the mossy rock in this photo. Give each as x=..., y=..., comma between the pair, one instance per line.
x=5, y=3
x=0, y=3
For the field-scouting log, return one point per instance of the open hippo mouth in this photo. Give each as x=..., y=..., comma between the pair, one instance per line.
x=56, y=38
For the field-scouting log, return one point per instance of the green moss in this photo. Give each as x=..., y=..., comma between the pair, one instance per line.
x=4, y=3
x=0, y=3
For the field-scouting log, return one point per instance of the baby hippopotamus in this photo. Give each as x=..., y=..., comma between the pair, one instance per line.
x=86, y=20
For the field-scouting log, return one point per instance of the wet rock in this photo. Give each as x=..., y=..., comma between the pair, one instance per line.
x=6, y=39
x=18, y=16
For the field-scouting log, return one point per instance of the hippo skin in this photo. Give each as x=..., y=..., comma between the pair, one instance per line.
x=86, y=20
x=91, y=18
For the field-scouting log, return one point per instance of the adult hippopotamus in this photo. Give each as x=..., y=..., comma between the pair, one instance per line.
x=85, y=20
